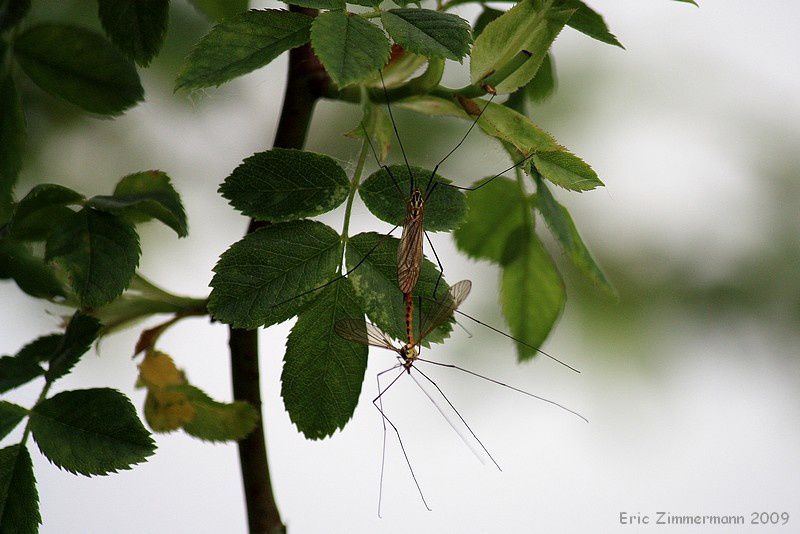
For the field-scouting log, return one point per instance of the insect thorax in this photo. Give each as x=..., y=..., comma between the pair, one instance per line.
x=415, y=205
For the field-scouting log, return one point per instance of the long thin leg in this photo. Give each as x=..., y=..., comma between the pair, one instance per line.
x=486, y=182
x=383, y=238
x=554, y=403
x=509, y=336
x=460, y=417
x=378, y=161
x=458, y=145
x=383, y=448
x=399, y=439
x=397, y=135
x=438, y=261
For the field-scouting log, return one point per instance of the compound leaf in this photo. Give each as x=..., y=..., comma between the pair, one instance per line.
x=566, y=170
x=81, y=332
x=143, y=196
x=10, y=416
x=30, y=272
x=19, y=500
x=99, y=252
x=428, y=33
x=43, y=208
x=350, y=47
x=15, y=371
x=282, y=185
x=137, y=27
x=322, y=372
x=220, y=9
x=90, y=431
x=589, y=22
x=80, y=66
x=445, y=209
x=242, y=44
x=259, y=279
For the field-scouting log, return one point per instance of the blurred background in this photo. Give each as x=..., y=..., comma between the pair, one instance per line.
x=690, y=380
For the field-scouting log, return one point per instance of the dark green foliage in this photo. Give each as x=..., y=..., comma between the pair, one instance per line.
x=137, y=27
x=282, y=185
x=322, y=372
x=10, y=416
x=375, y=282
x=19, y=500
x=220, y=9
x=12, y=130
x=428, y=33
x=444, y=210
x=318, y=4
x=41, y=209
x=242, y=44
x=80, y=66
x=143, y=196
x=15, y=371
x=495, y=211
x=544, y=83
x=350, y=47
x=258, y=278
x=487, y=15
x=99, y=253
x=41, y=349
x=29, y=271
x=82, y=331
x=90, y=431
x=12, y=11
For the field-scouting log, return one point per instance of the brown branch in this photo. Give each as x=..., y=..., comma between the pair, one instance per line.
x=305, y=84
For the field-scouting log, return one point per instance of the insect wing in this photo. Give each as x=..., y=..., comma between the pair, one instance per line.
x=409, y=255
x=443, y=309
x=364, y=333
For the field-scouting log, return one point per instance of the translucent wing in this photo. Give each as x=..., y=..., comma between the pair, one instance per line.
x=409, y=255
x=364, y=333
x=443, y=308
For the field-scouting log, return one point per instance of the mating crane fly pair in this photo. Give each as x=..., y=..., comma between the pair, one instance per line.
x=409, y=261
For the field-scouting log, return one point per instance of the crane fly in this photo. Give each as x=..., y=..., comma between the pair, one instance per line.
x=408, y=354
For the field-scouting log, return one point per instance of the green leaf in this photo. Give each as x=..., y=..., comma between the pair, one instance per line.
x=15, y=371
x=494, y=212
x=531, y=26
x=689, y=2
x=589, y=22
x=487, y=15
x=19, y=500
x=12, y=11
x=10, y=416
x=560, y=222
x=242, y=44
x=137, y=27
x=428, y=33
x=318, y=4
x=350, y=47
x=41, y=349
x=12, y=131
x=566, y=170
x=322, y=372
x=99, y=252
x=30, y=272
x=220, y=9
x=43, y=208
x=218, y=421
x=377, y=124
x=143, y=196
x=90, y=431
x=444, y=210
x=375, y=282
x=544, y=83
x=531, y=291
x=80, y=66
x=283, y=185
x=259, y=278
x=81, y=332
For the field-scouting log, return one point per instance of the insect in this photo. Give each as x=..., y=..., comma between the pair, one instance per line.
x=408, y=354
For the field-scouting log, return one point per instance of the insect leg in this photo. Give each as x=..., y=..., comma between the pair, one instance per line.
x=438, y=261
x=378, y=161
x=429, y=379
x=383, y=448
x=486, y=182
x=397, y=135
x=554, y=403
x=399, y=439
